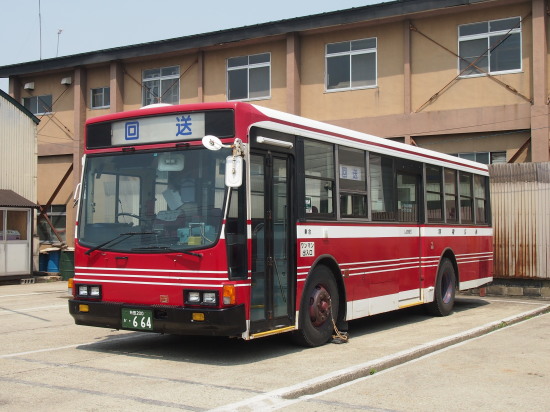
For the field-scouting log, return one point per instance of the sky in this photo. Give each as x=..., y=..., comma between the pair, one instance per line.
x=32, y=30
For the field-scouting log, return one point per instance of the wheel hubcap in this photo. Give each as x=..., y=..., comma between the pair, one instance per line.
x=319, y=306
x=446, y=288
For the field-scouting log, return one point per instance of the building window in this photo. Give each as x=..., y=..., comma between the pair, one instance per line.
x=351, y=64
x=484, y=157
x=58, y=217
x=100, y=98
x=161, y=85
x=493, y=46
x=249, y=77
x=38, y=105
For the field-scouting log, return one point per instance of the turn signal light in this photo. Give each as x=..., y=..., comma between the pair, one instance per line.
x=70, y=285
x=229, y=296
x=83, y=308
x=197, y=316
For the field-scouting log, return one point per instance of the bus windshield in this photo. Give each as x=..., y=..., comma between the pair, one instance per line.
x=152, y=201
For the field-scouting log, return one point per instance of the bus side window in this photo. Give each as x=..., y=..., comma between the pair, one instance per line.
x=466, y=198
x=353, y=182
x=382, y=188
x=434, y=194
x=319, y=178
x=480, y=193
x=407, y=197
x=450, y=196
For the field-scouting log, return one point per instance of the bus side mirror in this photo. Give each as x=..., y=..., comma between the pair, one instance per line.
x=233, y=171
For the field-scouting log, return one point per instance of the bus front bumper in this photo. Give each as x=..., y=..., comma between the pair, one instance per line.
x=165, y=319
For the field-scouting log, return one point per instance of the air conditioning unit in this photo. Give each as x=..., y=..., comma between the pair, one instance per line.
x=29, y=86
x=66, y=80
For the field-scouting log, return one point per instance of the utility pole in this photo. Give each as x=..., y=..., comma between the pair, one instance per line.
x=59, y=31
x=40, y=28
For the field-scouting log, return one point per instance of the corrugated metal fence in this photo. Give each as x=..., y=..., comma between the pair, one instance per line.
x=520, y=197
x=18, y=151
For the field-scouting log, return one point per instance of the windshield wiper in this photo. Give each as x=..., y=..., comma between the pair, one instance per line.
x=128, y=234
x=166, y=249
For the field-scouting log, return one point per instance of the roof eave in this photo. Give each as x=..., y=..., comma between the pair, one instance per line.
x=377, y=12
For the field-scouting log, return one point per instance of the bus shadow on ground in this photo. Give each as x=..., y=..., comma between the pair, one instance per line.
x=408, y=316
x=222, y=351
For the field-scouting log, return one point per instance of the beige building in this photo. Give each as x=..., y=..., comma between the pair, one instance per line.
x=466, y=77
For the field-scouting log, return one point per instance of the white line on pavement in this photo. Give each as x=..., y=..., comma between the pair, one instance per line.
x=37, y=308
x=34, y=293
x=76, y=345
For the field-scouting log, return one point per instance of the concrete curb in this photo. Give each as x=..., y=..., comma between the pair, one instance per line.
x=339, y=377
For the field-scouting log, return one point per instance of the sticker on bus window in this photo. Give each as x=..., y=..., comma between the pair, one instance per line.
x=307, y=249
x=308, y=204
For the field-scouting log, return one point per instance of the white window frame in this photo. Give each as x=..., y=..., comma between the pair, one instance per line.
x=351, y=53
x=34, y=102
x=161, y=78
x=487, y=35
x=248, y=67
x=54, y=211
x=105, y=91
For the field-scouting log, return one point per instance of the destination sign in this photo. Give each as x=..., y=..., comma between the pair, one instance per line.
x=166, y=128
x=176, y=127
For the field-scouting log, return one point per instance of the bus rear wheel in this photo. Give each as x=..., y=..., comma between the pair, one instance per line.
x=445, y=290
x=319, y=308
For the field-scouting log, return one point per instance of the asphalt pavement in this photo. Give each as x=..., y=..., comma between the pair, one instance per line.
x=507, y=369
x=489, y=354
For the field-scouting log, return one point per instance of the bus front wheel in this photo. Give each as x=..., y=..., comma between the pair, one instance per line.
x=445, y=290
x=318, y=309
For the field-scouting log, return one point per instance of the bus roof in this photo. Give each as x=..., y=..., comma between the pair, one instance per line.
x=297, y=125
x=301, y=126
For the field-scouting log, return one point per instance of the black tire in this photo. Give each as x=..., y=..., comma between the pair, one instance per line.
x=319, y=306
x=445, y=290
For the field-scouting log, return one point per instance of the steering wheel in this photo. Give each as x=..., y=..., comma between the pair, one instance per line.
x=132, y=215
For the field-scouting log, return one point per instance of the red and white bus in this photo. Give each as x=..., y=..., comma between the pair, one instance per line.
x=232, y=219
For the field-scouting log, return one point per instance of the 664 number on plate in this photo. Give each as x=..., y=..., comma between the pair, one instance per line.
x=140, y=319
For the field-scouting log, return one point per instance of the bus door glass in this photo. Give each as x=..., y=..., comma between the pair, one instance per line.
x=271, y=229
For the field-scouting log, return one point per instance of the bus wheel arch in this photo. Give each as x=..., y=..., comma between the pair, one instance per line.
x=445, y=286
x=322, y=301
x=449, y=254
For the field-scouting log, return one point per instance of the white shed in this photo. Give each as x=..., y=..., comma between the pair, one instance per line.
x=18, y=191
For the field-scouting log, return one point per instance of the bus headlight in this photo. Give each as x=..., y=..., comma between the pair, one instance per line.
x=200, y=297
x=209, y=298
x=193, y=298
x=88, y=291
